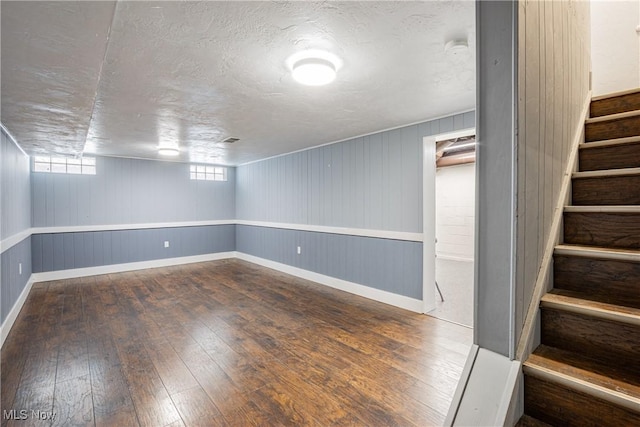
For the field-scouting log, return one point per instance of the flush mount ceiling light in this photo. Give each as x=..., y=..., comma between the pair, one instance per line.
x=313, y=67
x=314, y=72
x=169, y=151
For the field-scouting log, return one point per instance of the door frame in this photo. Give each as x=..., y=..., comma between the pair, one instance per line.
x=429, y=213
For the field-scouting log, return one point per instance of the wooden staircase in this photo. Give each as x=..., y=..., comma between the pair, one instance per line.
x=586, y=372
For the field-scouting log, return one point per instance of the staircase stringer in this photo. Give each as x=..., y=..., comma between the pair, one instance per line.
x=543, y=284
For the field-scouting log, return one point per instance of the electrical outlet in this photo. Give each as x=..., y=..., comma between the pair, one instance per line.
x=299, y=250
x=20, y=268
x=166, y=243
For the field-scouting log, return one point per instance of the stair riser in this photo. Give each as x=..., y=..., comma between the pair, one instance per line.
x=609, y=342
x=558, y=405
x=609, y=281
x=599, y=191
x=612, y=129
x=614, y=230
x=618, y=104
x=527, y=421
x=613, y=157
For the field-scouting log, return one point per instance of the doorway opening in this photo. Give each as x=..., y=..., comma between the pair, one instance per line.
x=449, y=226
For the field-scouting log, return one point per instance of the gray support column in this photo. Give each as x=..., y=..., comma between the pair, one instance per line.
x=496, y=29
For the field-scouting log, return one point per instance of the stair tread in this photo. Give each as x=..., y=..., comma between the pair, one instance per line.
x=615, y=94
x=612, y=383
x=632, y=255
x=609, y=142
x=565, y=248
x=616, y=116
x=607, y=173
x=571, y=301
x=527, y=421
x=604, y=208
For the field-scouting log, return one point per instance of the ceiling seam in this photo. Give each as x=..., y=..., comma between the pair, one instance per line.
x=104, y=58
x=12, y=138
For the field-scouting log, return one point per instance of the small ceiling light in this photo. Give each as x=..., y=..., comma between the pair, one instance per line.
x=314, y=67
x=314, y=71
x=169, y=151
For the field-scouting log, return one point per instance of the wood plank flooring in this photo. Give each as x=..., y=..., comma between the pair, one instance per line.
x=223, y=343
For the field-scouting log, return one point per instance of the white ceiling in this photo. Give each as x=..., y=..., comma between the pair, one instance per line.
x=116, y=78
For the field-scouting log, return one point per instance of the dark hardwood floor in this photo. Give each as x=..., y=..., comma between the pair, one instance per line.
x=223, y=343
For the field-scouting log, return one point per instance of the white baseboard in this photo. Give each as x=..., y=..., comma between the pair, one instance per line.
x=400, y=301
x=396, y=300
x=488, y=395
x=15, y=310
x=131, y=266
x=462, y=385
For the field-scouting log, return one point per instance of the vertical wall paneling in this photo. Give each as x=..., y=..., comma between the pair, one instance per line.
x=13, y=282
x=385, y=264
x=532, y=198
x=15, y=207
x=16, y=192
x=553, y=59
x=130, y=191
x=372, y=182
x=65, y=251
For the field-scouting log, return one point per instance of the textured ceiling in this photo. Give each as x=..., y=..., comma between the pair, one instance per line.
x=118, y=78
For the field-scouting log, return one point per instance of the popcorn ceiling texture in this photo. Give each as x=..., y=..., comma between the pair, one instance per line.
x=124, y=77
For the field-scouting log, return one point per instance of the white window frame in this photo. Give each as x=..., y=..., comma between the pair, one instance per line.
x=64, y=165
x=207, y=172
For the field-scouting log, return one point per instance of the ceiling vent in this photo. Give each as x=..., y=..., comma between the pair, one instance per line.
x=231, y=140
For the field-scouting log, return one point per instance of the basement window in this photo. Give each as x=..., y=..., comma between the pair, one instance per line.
x=207, y=173
x=67, y=165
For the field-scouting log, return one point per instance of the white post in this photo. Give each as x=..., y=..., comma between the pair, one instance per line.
x=429, y=223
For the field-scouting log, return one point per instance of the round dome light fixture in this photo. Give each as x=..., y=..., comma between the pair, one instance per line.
x=169, y=151
x=314, y=71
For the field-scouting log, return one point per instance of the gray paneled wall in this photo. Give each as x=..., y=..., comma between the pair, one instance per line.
x=130, y=191
x=64, y=251
x=16, y=189
x=16, y=217
x=553, y=84
x=14, y=282
x=372, y=182
x=389, y=265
